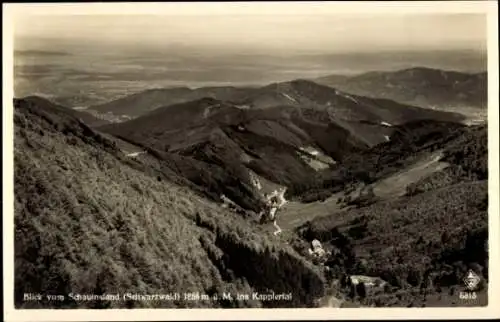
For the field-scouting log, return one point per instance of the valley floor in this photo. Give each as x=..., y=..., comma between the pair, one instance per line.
x=295, y=213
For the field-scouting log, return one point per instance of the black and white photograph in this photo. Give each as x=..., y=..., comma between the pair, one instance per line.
x=251, y=156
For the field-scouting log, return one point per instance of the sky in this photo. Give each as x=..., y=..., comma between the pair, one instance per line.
x=315, y=33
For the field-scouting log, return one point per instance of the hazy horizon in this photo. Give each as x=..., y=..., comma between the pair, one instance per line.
x=114, y=55
x=271, y=34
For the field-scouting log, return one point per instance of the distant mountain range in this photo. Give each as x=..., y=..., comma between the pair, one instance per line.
x=426, y=87
x=423, y=87
x=298, y=93
x=267, y=129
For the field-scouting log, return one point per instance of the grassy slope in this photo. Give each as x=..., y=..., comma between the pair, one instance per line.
x=149, y=100
x=90, y=221
x=467, y=154
x=408, y=143
x=215, y=143
x=346, y=106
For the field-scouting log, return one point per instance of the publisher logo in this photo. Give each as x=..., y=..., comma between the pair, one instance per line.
x=471, y=280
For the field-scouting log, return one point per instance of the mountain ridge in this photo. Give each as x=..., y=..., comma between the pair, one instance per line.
x=419, y=86
x=239, y=140
x=299, y=93
x=88, y=118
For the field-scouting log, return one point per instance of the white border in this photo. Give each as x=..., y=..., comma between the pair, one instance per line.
x=257, y=8
x=246, y=8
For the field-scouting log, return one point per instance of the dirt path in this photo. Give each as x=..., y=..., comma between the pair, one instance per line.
x=134, y=154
